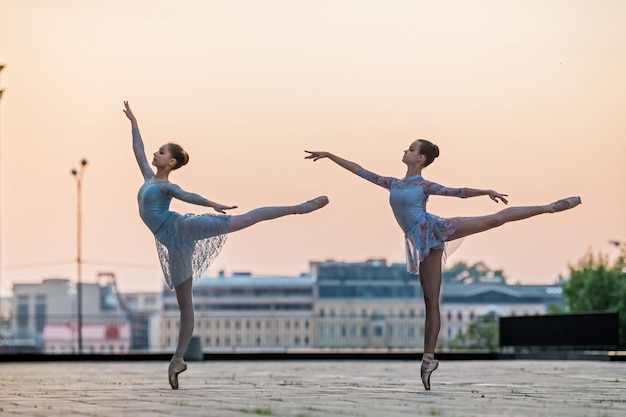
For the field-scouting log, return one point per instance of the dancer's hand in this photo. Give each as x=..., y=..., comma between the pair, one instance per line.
x=495, y=196
x=315, y=155
x=220, y=208
x=129, y=112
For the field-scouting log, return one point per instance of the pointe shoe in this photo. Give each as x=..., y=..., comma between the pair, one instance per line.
x=428, y=366
x=564, y=204
x=312, y=205
x=176, y=367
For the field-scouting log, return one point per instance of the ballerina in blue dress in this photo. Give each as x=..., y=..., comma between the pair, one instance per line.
x=187, y=244
x=427, y=235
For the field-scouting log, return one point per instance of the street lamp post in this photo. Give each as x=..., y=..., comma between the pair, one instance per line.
x=78, y=175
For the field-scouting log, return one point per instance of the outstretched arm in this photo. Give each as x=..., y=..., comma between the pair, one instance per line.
x=494, y=195
x=192, y=198
x=438, y=189
x=349, y=165
x=138, y=148
x=353, y=167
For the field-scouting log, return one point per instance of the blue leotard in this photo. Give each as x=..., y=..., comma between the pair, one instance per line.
x=423, y=231
x=186, y=244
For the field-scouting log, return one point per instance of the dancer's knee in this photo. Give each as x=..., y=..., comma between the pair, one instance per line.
x=431, y=304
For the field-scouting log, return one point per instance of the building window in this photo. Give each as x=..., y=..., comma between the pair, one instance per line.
x=150, y=300
x=22, y=312
x=378, y=331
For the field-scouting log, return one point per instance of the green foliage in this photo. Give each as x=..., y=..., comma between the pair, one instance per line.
x=482, y=334
x=597, y=285
x=554, y=308
x=462, y=273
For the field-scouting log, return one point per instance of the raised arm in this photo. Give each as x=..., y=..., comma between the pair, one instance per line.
x=138, y=148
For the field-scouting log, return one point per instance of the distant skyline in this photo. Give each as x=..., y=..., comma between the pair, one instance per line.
x=524, y=97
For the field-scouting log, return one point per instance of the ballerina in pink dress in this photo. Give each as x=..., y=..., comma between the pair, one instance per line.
x=427, y=235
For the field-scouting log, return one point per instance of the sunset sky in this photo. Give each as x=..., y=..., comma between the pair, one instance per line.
x=524, y=97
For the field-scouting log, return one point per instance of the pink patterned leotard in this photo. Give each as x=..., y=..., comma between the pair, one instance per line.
x=422, y=231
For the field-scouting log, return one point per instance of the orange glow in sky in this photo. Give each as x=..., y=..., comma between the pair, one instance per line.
x=523, y=97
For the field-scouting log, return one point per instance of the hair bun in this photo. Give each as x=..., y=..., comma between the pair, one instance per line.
x=185, y=158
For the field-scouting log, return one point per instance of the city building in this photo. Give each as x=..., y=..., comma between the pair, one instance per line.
x=44, y=318
x=367, y=305
x=242, y=312
x=144, y=314
x=372, y=305
x=339, y=306
x=461, y=304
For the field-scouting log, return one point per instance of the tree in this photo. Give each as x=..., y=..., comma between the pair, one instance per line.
x=462, y=273
x=481, y=334
x=597, y=285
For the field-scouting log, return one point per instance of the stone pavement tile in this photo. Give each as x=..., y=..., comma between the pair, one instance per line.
x=315, y=389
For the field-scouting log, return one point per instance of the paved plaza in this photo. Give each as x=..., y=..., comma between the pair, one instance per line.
x=498, y=388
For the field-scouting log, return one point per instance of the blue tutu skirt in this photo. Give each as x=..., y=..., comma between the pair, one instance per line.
x=431, y=233
x=188, y=244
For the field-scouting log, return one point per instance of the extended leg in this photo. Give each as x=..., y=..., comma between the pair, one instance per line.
x=472, y=225
x=242, y=221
